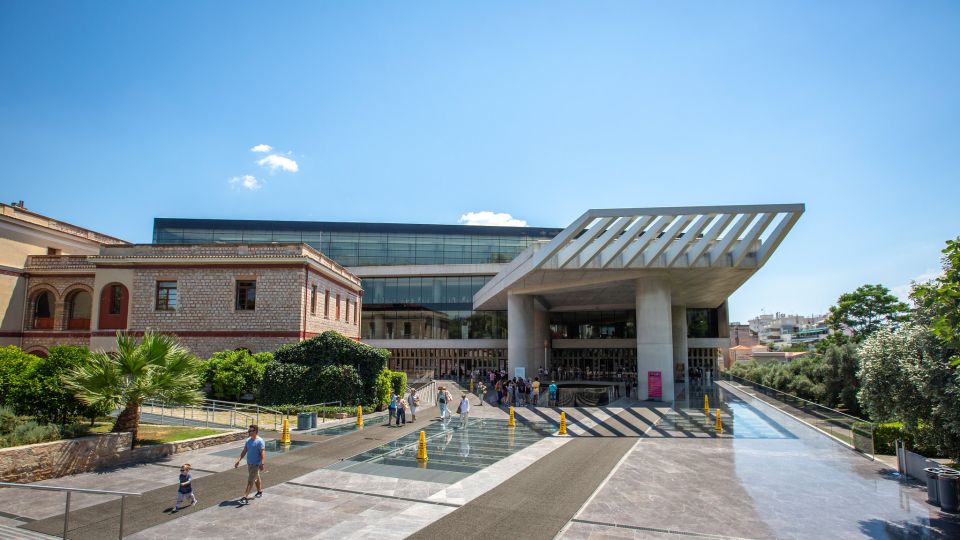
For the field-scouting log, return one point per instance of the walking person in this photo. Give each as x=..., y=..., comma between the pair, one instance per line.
x=464, y=410
x=442, y=402
x=185, y=488
x=552, y=391
x=536, y=391
x=255, y=451
x=414, y=403
x=401, y=411
x=393, y=408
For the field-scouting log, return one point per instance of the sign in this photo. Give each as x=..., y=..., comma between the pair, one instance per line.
x=520, y=372
x=654, y=385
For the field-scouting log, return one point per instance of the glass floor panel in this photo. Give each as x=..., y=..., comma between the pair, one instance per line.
x=740, y=419
x=454, y=452
x=271, y=446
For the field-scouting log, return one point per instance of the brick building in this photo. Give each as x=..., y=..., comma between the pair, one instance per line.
x=213, y=297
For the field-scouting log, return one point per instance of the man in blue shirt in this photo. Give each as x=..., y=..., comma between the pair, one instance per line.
x=553, y=393
x=255, y=450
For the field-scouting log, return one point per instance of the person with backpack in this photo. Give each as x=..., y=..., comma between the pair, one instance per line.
x=393, y=408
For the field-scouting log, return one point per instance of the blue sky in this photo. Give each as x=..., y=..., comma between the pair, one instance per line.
x=112, y=113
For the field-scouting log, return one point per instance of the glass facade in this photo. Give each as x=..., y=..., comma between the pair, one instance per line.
x=364, y=244
x=431, y=307
x=593, y=324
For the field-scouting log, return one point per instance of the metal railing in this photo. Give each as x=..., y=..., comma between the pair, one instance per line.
x=850, y=430
x=323, y=414
x=205, y=414
x=69, y=490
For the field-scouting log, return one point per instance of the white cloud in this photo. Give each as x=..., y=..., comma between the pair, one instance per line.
x=274, y=162
x=487, y=217
x=246, y=181
x=903, y=291
x=261, y=148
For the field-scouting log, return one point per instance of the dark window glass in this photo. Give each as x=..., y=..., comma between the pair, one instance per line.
x=246, y=295
x=313, y=300
x=166, y=295
x=116, y=299
x=702, y=323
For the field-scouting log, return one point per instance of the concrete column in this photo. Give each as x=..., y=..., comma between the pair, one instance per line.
x=520, y=334
x=680, y=344
x=654, y=334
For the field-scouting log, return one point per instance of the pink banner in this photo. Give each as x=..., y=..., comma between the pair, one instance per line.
x=655, y=385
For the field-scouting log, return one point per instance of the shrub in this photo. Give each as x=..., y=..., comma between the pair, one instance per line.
x=231, y=374
x=338, y=383
x=398, y=382
x=284, y=383
x=331, y=348
x=383, y=389
x=14, y=366
x=30, y=432
x=325, y=410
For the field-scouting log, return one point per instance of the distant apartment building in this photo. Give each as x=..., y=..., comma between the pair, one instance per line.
x=779, y=330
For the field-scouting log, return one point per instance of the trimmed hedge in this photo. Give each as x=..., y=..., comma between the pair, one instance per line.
x=316, y=383
x=884, y=436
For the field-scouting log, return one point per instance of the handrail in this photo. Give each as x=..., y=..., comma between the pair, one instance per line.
x=815, y=404
x=71, y=490
x=234, y=412
x=63, y=488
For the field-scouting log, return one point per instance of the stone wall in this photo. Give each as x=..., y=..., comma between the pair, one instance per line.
x=324, y=317
x=42, y=461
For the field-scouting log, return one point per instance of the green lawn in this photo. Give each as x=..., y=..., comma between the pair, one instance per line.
x=150, y=434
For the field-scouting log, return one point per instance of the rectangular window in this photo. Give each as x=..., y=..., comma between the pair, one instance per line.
x=313, y=300
x=326, y=304
x=246, y=295
x=346, y=306
x=356, y=312
x=53, y=251
x=116, y=299
x=338, y=307
x=166, y=295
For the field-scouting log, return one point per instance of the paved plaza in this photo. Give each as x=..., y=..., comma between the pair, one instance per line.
x=639, y=471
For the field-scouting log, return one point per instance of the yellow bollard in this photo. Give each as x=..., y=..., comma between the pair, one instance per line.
x=719, y=423
x=511, y=422
x=360, y=416
x=706, y=405
x=285, y=433
x=563, y=423
x=422, y=447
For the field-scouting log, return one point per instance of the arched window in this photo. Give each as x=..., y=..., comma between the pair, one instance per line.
x=39, y=353
x=113, y=307
x=42, y=316
x=78, y=307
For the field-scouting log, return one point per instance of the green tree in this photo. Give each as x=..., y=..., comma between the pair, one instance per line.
x=940, y=298
x=906, y=376
x=841, y=380
x=155, y=368
x=866, y=310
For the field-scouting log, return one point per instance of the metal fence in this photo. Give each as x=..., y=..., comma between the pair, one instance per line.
x=850, y=430
x=70, y=490
x=212, y=413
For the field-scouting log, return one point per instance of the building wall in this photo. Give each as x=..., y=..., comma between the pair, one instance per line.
x=325, y=318
x=12, y=288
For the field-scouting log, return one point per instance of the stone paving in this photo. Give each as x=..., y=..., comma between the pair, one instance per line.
x=773, y=478
x=804, y=486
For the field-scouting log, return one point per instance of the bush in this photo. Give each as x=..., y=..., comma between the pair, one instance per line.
x=398, y=382
x=331, y=348
x=885, y=435
x=231, y=374
x=338, y=383
x=326, y=410
x=30, y=432
x=14, y=366
x=284, y=383
x=383, y=389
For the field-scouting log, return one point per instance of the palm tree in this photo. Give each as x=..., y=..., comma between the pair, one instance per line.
x=156, y=368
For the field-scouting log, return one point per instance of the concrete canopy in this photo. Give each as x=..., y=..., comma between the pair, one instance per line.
x=705, y=252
